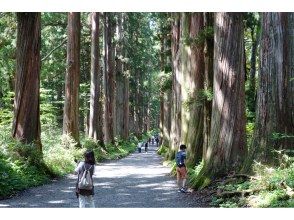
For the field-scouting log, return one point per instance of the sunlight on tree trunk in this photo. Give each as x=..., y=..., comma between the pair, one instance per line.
x=109, y=27
x=72, y=78
x=26, y=123
x=95, y=119
x=176, y=87
x=208, y=80
x=274, y=114
x=227, y=145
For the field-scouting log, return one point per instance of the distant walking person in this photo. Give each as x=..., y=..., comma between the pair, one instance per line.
x=157, y=141
x=146, y=146
x=181, y=168
x=139, y=146
x=152, y=139
x=85, y=186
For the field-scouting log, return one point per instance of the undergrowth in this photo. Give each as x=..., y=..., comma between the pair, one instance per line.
x=269, y=187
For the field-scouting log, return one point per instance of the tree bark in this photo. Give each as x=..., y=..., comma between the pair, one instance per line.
x=95, y=118
x=194, y=85
x=126, y=113
x=208, y=80
x=26, y=123
x=161, y=97
x=176, y=86
x=167, y=118
x=109, y=25
x=288, y=19
x=251, y=93
x=274, y=114
x=167, y=102
x=72, y=78
x=227, y=145
x=122, y=109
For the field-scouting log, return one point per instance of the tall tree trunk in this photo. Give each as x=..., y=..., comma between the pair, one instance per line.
x=227, y=148
x=140, y=104
x=251, y=93
x=136, y=107
x=126, y=113
x=161, y=97
x=95, y=119
x=72, y=78
x=176, y=86
x=275, y=111
x=288, y=20
x=109, y=25
x=26, y=123
x=255, y=39
x=122, y=112
x=208, y=80
x=167, y=102
x=194, y=134
x=167, y=118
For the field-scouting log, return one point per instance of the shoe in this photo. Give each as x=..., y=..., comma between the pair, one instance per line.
x=179, y=190
x=183, y=190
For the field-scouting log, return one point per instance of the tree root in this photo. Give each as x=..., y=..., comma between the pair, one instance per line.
x=229, y=194
x=244, y=176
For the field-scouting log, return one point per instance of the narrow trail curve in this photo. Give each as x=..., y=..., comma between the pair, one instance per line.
x=138, y=180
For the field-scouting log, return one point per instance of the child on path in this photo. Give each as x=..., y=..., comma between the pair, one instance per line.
x=86, y=195
x=181, y=168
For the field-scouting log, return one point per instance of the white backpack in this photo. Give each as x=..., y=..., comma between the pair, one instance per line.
x=86, y=181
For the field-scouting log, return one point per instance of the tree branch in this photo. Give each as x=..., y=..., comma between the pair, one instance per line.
x=60, y=45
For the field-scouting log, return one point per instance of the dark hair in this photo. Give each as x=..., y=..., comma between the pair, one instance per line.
x=182, y=147
x=89, y=157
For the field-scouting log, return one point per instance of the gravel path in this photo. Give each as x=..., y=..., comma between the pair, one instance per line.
x=138, y=180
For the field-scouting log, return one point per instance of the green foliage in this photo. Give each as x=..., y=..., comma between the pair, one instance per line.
x=199, y=99
x=279, y=136
x=20, y=165
x=206, y=33
x=60, y=152
x=162, y=150
x=267, y=187
x=193, y=173
x=48, y=111
x=6, y=116
x=165, y=81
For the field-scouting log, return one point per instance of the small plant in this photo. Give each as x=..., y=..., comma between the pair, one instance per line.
x=162, y=150
x=193, y=173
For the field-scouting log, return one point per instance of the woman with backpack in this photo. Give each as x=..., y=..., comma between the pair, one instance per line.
x=85, y=186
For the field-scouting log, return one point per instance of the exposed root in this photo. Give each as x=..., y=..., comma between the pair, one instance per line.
x=244, y=176
x=229, y=194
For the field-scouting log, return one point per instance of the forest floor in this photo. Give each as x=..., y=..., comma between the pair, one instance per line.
x=139, y=180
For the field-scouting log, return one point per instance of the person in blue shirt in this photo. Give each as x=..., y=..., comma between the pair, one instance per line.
x=181, y=168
